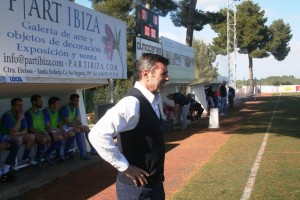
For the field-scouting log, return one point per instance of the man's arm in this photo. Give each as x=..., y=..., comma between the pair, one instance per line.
x=14, y=128
x=78, y=121
x=122, y=117
x=24, y=128
x=47, y=120
x=68, y=122
x=66, y=117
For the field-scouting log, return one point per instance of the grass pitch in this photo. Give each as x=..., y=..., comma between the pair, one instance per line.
x=226, y=174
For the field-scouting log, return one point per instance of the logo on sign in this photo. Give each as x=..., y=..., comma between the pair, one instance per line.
x=15, y=79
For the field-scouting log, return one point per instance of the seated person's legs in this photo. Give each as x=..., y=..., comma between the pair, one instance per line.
x=70, y=137
x=28, y=140
x=79, y=142
x=57, y=138
x=86, y=131
x=41, y=140
x=7, y=144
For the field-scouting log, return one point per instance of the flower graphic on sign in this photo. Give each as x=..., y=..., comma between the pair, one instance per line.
x=112, y=42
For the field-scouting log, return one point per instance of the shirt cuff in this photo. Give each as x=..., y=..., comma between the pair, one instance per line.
x=122, y=166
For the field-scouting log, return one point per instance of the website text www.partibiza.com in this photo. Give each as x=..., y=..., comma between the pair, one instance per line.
x=39, y=61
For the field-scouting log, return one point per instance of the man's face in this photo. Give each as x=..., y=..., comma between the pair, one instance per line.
x=157, y=78
x=38, y=103
x=18, y=107
x=56, y=105
x=74, y=102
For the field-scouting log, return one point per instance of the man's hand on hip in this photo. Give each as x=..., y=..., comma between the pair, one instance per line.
x=137, y=175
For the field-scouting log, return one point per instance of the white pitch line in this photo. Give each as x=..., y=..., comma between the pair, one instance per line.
x=251, y=180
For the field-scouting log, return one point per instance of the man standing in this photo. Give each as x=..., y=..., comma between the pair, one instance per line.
x=14, y=131
x=136, y=120
x=181, y=108
x=72, y=122
x=223, y=94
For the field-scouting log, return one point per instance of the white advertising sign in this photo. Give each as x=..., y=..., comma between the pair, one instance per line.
x=60, y=39
x=146, y=46
x=181, y=57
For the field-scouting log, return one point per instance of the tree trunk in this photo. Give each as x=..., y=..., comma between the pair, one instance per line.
x=251, y=83
x=190, y=24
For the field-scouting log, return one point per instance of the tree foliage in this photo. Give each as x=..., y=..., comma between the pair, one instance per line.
x=123, y=10
x=161, y=7
x=188, y=16
x=254, y=37
x=204, y=57
x=280, y=37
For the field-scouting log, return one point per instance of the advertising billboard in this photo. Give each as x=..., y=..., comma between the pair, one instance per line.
x=60, y=39
x=146, y=46
x=181, y=57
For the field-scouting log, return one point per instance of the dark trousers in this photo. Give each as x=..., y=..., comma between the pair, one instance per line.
x=231, y=101
x=13, y=152
x=131, y=192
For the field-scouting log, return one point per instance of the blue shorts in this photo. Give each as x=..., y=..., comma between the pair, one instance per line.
x=67, y=128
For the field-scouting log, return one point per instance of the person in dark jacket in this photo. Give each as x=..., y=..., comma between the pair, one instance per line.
x=181, y=108
x=136, y=121
x=231, y=95
x=195, y=110
x=223, y=94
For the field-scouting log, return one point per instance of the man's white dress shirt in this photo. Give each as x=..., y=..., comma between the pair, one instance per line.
x=123, y=116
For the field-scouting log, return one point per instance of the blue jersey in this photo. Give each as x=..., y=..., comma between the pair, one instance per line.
x=9, y=120
x=64, y=111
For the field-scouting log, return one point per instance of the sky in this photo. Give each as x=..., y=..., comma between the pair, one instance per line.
x=289, y=11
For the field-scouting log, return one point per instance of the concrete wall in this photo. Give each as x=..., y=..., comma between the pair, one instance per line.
x=272, y=88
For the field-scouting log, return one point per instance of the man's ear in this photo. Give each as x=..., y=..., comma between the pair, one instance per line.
x=145, y=74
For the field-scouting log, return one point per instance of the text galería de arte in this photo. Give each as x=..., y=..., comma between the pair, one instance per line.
x=51, y=31
x=22, y=36
x=25, y=37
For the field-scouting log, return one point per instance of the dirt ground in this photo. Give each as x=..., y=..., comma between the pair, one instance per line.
x=186, y=152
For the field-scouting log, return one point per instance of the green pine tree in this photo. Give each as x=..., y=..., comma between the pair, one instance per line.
x=204, y=57
x=254, y=37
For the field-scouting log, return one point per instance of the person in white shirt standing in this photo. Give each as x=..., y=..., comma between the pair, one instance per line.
x=136, y=121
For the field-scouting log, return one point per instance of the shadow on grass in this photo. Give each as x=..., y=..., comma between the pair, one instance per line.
x=259, y=114
x=251, y=117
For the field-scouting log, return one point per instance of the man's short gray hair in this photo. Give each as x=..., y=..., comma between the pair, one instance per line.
x=148, y=61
